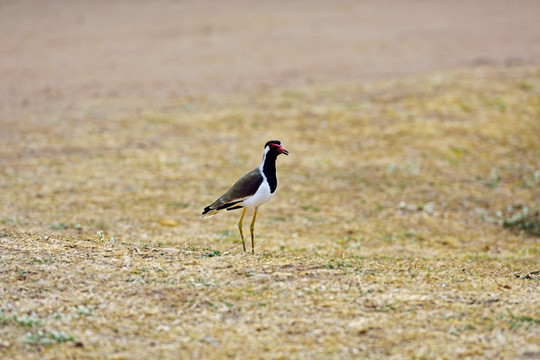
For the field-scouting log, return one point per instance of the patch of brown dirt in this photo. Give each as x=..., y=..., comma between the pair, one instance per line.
x=56, y=53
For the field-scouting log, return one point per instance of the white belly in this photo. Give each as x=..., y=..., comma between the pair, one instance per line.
x=260, y=197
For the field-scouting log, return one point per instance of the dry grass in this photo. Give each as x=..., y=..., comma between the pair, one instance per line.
x=385, y=239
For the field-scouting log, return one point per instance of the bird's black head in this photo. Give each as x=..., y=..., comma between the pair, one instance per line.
x=275, y=145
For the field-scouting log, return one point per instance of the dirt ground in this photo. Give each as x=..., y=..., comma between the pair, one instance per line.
x=59, y=52
x=406, y=222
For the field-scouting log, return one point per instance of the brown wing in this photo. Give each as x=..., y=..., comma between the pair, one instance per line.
x=246, y=186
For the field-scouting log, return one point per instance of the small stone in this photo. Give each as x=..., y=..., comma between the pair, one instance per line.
x=168, y=222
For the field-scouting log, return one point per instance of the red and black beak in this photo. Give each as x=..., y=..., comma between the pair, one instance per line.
x=281, y=150
x=275, y=145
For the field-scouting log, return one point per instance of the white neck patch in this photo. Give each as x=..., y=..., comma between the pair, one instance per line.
x=266, y=150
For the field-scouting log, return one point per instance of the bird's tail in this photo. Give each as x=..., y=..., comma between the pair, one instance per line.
x=209, y=212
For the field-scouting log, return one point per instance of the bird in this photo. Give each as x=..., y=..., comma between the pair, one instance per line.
x=251, y=190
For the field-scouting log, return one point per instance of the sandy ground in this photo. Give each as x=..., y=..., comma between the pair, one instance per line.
x=58, y=52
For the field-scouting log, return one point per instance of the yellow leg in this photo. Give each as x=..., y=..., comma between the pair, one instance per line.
x=240, y=228
x=252, y=227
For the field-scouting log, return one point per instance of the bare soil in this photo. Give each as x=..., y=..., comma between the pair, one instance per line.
x=60, y=52
x=412, y=128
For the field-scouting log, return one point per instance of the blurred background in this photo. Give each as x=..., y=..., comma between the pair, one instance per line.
x=58, y=51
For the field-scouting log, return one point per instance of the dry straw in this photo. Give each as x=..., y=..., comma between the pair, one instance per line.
x=385, y=238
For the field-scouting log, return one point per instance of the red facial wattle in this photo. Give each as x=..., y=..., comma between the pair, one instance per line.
x=279, y=149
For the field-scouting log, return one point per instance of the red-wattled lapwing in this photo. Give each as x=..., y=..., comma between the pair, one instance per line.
x=252, y=190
